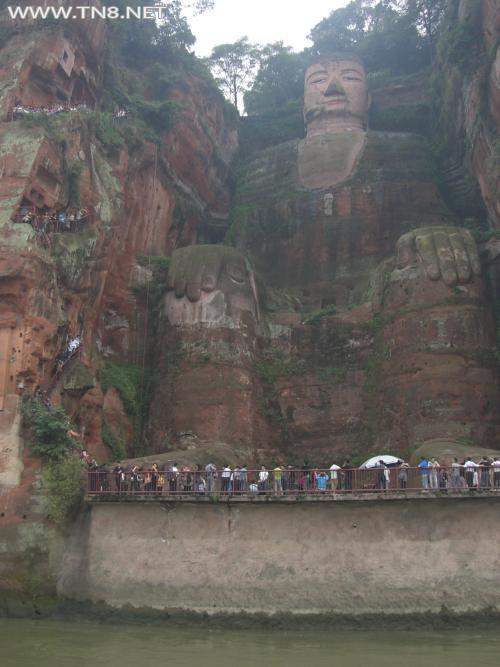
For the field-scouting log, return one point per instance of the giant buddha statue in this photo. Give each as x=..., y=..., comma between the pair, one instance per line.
x=353, y=219
x=335, y=107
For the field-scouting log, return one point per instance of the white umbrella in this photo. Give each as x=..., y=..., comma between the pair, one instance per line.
x=386, y=458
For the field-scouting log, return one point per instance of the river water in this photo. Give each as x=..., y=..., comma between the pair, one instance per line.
x=26, y=643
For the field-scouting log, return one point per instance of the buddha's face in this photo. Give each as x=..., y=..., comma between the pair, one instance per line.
x=336, y=90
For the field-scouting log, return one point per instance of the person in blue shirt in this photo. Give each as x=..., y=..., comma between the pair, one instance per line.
x=61, y=221
x=321, y=481
x=424, y=472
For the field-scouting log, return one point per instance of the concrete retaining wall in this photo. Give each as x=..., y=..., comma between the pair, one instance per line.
x=403, y=557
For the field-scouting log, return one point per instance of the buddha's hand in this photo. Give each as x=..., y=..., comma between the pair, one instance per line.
x=446, y=253
x=198, y=269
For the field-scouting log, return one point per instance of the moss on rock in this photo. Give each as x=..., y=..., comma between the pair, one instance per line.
x=79, y=379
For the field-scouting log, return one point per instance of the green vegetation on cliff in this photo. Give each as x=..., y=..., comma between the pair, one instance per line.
x=386, y=34
x=134, y=385
x=126, y=379
x=144, y=60
x=48, y=429
x=404, y=118
x=62, y=473
x=63, y=488
x=116, y=445
x=460, y=78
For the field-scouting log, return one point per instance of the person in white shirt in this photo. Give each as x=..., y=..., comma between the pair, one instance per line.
x=334, y=477
x=470, y=472
x=172, y=478
x=263, y=477
x=433, y=473
x=211, y=475
x=74, y=344
x=496, y=472
x=226, y=479
x=455, y=475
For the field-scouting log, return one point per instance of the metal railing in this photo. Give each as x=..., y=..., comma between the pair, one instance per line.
x=291, y=482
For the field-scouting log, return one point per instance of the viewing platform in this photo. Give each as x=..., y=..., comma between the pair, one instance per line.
x=291, y=485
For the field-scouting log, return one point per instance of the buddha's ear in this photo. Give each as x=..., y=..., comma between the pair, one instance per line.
x=368, y=106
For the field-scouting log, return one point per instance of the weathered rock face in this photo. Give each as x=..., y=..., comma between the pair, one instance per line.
x=247, y=355
x=355, y=312
x=198, y=154
x=142, y=200
x=469, y=89
x=321, y=384
x=40, y=69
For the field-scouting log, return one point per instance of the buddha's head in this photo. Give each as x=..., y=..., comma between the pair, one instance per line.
x=336, y=94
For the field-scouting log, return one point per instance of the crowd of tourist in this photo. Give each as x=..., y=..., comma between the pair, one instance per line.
x=50, y=222
x=72, y=347
x=467, y=474
x=287, y=479
x=69, y=350
x=20, y=111
x=120, y=113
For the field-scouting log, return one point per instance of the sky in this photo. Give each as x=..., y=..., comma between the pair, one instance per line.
x=262, y=21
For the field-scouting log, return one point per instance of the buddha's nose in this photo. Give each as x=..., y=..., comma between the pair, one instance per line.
x=334, y=87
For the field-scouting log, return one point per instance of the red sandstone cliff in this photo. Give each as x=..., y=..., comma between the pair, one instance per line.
x=147, y=199
x=143, y=199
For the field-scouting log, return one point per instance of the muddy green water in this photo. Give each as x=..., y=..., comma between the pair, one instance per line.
x=49, y=644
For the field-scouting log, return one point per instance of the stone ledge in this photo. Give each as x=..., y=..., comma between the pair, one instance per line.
x=287, y=500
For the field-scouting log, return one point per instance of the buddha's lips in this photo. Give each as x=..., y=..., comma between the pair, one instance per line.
x=334, y=101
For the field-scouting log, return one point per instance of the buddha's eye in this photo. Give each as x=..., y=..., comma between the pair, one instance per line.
x=351, y=78
x=321, y=80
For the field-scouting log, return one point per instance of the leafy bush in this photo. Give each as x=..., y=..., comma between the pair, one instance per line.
x=63, y=489
x=106, y=130
x=49, y=430
x=162, y=79
x=157, y=115
x=38, y=119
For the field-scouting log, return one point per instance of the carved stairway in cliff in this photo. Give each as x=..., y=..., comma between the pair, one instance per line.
x=57, y=378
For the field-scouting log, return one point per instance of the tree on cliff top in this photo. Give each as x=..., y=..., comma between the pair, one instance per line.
x=157, y=41
x=387, y=34
x=233, y=66
x=427, y=15
x=279, y=81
